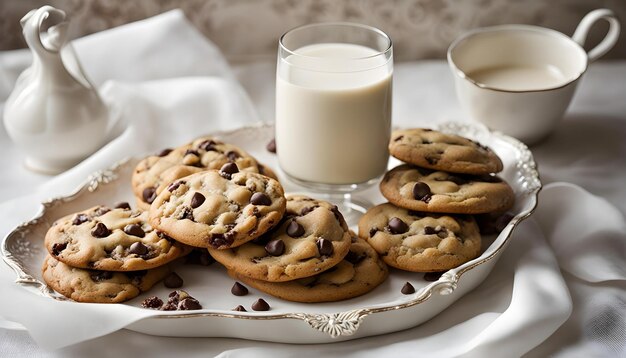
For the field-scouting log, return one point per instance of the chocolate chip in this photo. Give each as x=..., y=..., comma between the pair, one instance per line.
x=398, y=138
x=164, y=152
x=173, y=281
x=421, y=191
x=152, y=302
x=228, y=169
x=307, y=210
x=192, y=152
x=429, y=230
x=426, y=141
x=100, y=230
x=149, y=194
x=232, y=155
x=207, y=145
x=175, y=185
x=354, y=258
x=275, y=247
x=325, y=247
x=271, y=146
x=186, y=213
x=138, y=248
x=373, y=231
x=188, y=304
x=294, y=229
x=217, y=240
x=123, y=205
x=101, y=211
x=260, y=199
x=169, y=307
x=57, y=248
x=442, y=233
x=136, y=276
x=239, y=289
x=407, y=289
x=134, y=230
x=260, y=305
x=98, y=276
x=397, y=226
x=432, y=276
x=197, y=199
x=431, y=160
x=240, y=308
x=79, y=219
x=337, y=213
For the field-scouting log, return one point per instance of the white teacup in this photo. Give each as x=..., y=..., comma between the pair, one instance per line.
x=520, y=79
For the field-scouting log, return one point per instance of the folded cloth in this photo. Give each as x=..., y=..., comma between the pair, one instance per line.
x=569, y=254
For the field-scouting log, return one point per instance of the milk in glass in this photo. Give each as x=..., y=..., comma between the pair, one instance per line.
x=333, y=113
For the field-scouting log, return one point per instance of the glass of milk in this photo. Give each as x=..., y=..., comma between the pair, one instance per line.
x=333, y=107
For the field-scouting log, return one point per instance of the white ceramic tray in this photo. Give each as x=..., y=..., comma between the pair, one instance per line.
x=383, y=310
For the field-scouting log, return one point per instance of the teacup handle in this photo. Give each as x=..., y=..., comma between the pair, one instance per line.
x=580, y=35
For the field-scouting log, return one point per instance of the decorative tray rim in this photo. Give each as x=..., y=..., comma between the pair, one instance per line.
x=344, y=323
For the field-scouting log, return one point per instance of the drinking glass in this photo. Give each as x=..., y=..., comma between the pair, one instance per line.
x=333, y=109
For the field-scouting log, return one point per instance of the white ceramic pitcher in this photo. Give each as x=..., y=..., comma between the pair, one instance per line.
x=54, y=114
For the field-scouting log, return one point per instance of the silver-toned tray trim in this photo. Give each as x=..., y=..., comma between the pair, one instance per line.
x=343, y=323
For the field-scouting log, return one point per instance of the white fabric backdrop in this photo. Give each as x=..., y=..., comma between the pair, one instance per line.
x=170, y=84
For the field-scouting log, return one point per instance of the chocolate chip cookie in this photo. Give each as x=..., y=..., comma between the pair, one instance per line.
x=358, y=273
x=218, y=209
x=420, y=242
x=107, y=239
x=154, y=173
x=451, y=153
x=440, y=192
x=99, y=286
x=312, y=237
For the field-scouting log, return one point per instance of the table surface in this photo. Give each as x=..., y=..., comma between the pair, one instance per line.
x=591, y=136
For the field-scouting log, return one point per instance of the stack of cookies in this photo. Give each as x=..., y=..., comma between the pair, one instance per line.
x=428, y=224
x=209, y=195
x=107, y=255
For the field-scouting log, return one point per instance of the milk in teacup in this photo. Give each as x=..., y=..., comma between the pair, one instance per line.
x=519, y=78
x=332, y=125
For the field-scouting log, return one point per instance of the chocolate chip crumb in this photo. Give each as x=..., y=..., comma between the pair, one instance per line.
x=260, y=305
x=239, y=289
x=98, y=276
x=188, y=304
x=407, y=289
x=152, y=302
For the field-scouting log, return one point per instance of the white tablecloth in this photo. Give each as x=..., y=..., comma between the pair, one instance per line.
x=564, y=272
